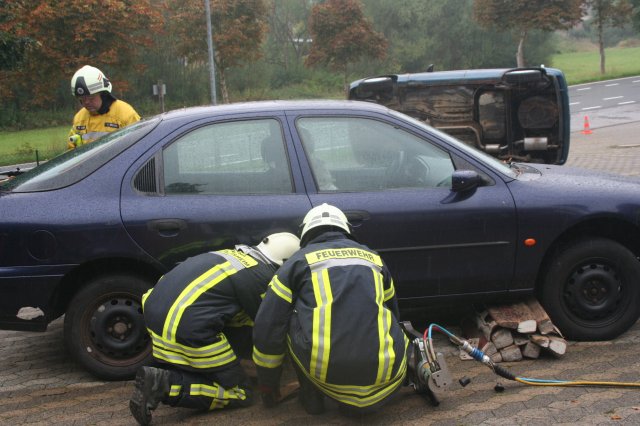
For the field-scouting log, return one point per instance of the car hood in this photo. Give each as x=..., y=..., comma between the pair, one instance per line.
x=578, y=178
x=560, y=190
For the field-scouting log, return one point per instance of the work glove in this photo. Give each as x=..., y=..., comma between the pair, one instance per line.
x=270, y=395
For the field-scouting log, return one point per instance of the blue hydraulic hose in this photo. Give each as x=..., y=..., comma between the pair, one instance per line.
x=480, y=356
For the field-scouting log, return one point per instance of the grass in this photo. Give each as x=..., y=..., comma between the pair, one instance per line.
x=578, y=64
x=20, y=146
x=583, y=67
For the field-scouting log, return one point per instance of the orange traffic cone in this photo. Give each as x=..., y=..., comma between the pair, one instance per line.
x=586, y=130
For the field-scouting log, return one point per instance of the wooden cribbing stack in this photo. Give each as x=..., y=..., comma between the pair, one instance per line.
x=511, y=332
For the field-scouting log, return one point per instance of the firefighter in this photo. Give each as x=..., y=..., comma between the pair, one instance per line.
x=332, y=308
x=199, y=316
x=101, y=112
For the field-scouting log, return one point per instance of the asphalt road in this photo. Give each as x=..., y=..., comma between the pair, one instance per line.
x=39, y=385
x=605, y=103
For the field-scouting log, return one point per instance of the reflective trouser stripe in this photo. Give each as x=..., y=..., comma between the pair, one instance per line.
x=208, y=396
x=358, y=396
x=214, y=355
x=220, y=397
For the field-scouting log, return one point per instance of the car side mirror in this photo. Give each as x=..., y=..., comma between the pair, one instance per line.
x=465, y=180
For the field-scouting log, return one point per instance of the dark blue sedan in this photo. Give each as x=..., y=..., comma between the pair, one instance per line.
x=86, y=233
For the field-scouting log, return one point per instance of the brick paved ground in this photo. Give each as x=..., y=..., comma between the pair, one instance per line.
x=39, y=385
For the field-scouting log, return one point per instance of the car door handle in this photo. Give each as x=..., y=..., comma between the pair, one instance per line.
x=167, y=227
x=356, y=217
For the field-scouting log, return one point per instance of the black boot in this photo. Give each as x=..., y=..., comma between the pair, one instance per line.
x=152, y=387
x=312, y=399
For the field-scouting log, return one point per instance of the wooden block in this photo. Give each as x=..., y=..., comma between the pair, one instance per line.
x=540, y=340
x=527, y=326
x=502, y=338
x=557, y=345
x=531, y=350
x=520, y=339
x=512, y=315
x=545, y=326
x=485, y=325
x=511, y=353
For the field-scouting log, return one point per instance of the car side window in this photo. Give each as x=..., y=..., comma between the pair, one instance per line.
x=361, y=154
x=238, y=157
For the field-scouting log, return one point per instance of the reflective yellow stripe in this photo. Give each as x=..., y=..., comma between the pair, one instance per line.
x=386, y=354
x=245, y=261
x=191, y=293
x=175, y=390
x=343, y=253
x=321, y=340
x=390, y=292
x=145, y=295
x=221, y=397
x=358, y=396
x=280, y=289
x=214, y=355
x=267, y=361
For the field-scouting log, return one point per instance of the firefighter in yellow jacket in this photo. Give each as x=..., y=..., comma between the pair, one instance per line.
x=332, y=308
x=199, y=316
x=101, y=112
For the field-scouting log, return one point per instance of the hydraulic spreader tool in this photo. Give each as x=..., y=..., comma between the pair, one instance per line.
x=429, y=373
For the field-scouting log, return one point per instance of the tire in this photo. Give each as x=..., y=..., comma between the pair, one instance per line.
x=591, y=290
x=104, y=328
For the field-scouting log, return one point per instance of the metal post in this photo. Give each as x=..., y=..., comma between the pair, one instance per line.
x=212, y=69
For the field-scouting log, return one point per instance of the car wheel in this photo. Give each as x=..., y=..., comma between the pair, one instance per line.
x=104, y=328
x=592, y=289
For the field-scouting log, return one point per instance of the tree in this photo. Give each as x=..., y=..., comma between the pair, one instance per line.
x=341, y=35
x=67, y=34
x=12, y=48
x=444, y=33
x=288, y=32
x=239, y=27
x=615, y=13
x=635, y=15
x=523, y=16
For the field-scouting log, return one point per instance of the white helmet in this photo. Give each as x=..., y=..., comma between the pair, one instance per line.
x=324, y=215
x=279, y=247
x=89, y=80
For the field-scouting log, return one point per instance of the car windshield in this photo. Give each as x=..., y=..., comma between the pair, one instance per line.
x=485, y=158
x=74, y=165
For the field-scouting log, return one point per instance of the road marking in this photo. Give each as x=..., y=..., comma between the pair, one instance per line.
x=636, y=81
x=584, y=88
x=626, y=103
x=594, y=107
x=574, y=103
x=612, y=84
x=615, y=97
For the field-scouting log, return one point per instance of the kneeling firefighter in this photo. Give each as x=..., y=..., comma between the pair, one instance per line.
x=199, y=316
x=332, y=308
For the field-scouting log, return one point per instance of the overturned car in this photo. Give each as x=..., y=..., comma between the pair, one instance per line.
x=517, y=114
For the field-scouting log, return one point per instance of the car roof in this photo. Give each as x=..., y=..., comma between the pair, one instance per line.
x=271, y=106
